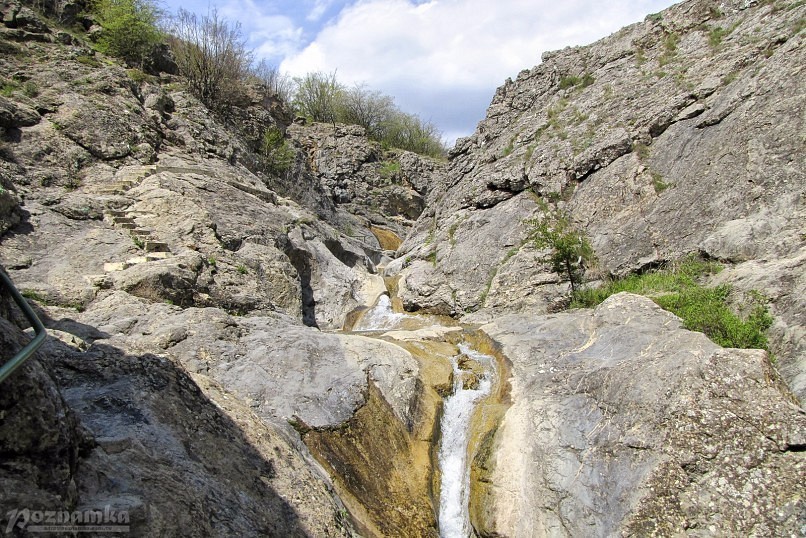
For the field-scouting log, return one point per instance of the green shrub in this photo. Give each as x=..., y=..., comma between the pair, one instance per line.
x=669, y=49
x=678, y=290
x=389, y=169
x=657, y=182
x=30, y=89
x=277, y=153
x=9, y=87
x=139, y=76
x=86, y=59
x=129, y=29
x=570, y=249
x=569, y=82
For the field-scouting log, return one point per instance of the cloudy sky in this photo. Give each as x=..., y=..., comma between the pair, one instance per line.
x=439, y=59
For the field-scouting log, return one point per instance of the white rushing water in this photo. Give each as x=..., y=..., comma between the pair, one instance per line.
x=454, y=519
x=380, y=317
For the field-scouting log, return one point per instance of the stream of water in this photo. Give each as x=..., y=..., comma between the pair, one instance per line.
x=469, y=388
x=454, y=519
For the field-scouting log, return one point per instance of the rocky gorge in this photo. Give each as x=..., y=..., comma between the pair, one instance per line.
x=235, y=351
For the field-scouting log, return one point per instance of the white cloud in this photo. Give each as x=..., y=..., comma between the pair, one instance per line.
x=448, y=47
x=319, y=9
x=273, y=36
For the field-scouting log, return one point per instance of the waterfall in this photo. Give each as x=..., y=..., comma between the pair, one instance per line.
x=454, y=519
x=473, y=377
x=380, y=317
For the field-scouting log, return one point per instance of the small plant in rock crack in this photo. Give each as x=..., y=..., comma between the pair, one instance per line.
x=571, y=251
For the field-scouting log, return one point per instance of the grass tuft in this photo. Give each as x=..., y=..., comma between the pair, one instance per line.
x=678, y=289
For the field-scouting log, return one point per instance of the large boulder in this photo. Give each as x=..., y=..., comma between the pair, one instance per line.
x=40, y=436
x=624, y=423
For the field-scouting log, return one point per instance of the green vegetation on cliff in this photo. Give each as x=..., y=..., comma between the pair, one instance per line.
x=679, y=290
x=570, y=249
x=129, y=29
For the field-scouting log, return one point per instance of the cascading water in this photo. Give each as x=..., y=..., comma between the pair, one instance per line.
x=380, y=317
x=454, y=519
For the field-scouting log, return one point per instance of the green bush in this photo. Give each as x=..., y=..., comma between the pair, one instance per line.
x=277, y=153
x=130, y=29
x=389, y=169
x=678, y=290
x=570, y=81
x=570, y=249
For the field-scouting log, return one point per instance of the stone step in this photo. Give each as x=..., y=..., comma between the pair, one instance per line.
x=116, y=213
x=142, y=233
x=110, y=189
x=115, y=266
x=153, y=256
x=126, y=225
x=115, y=188
x=137, y=260
x=135, y=173
x=124, y=220
x=156, y=246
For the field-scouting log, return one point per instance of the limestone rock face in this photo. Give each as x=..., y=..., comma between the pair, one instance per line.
x=389, y=188
x=674, y=135
x=10, y=212
x=41, y=468
x=164, y=255
x=622, y=422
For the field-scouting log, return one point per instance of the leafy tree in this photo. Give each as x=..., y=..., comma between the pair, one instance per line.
x=321, y=97
x=129, y=29
x=407, y=131
x=211, y=53
x=570, y=249
x=318, y=96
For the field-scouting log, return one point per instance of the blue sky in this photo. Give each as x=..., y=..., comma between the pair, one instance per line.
x=439, y=59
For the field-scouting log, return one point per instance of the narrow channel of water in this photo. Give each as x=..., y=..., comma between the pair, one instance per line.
x=454, y=519
x=380, y=317
x=473, y=378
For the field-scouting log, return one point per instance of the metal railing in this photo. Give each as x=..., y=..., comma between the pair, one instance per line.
x=25, y=353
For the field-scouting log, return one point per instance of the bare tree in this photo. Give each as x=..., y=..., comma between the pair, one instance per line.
x=273, y=81
x=211, y=53
x=369, y=109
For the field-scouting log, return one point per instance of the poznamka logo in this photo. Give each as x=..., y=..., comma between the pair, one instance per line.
x=106, y=520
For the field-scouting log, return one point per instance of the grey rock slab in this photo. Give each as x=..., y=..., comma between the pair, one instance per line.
x=278, y=366
x=624, y=423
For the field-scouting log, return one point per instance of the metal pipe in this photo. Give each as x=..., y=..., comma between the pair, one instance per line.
x=39, y=329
